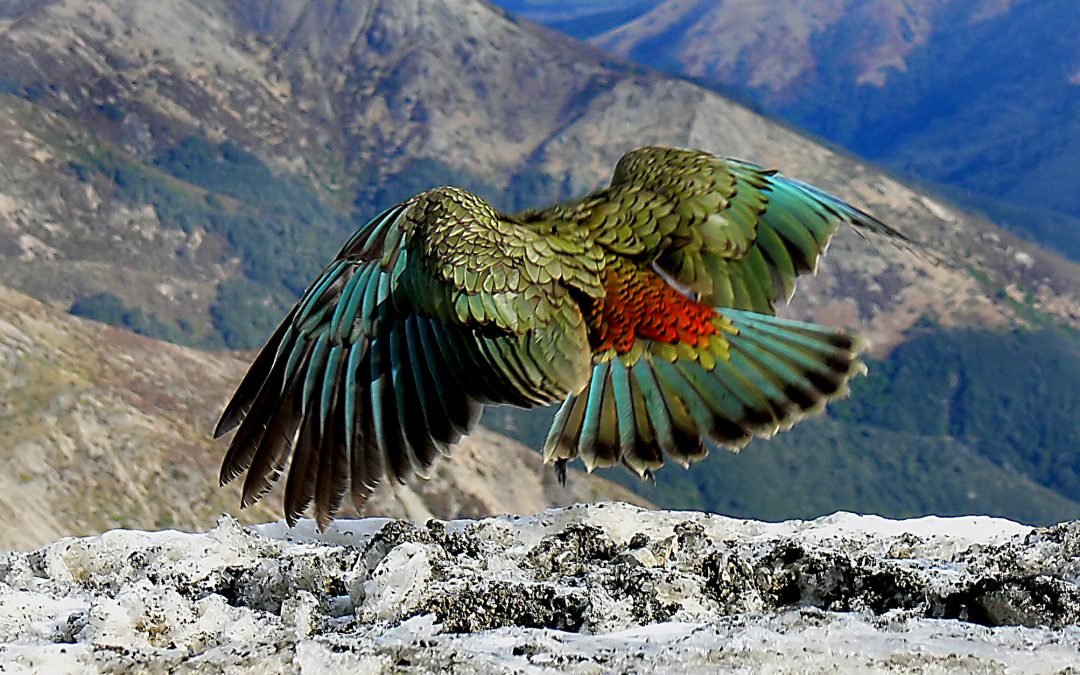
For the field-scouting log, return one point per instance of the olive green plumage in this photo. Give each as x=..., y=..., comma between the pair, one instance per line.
x=645, y=308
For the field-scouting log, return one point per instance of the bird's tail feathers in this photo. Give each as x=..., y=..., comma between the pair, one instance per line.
x=768, y=374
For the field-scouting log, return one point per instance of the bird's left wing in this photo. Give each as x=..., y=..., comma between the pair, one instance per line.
x=435, y=307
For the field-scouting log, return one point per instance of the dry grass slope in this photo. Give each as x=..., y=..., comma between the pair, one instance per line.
x=101, y=428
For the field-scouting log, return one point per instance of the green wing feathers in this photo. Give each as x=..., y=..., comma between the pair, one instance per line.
x=758, y=375
x=645, y=307
x=336, y=389
x=793, y=232
x=735, y=233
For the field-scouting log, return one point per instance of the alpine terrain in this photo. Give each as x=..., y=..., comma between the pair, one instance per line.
x=184, y=169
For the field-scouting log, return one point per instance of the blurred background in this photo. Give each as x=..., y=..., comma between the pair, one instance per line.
x=174, y=173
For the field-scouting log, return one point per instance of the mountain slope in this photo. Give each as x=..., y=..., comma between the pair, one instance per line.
x=102, y=428
x=206, y=157
x=184, y=168
x=924, y=87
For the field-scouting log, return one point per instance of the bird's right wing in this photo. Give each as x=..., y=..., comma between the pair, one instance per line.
x=432, y=309
x=735, y=233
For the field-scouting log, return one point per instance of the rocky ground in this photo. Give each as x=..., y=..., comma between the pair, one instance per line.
x=601, y=588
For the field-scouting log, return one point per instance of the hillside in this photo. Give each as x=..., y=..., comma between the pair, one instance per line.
x=102, y=428
x=924, y=88
x=182, y=169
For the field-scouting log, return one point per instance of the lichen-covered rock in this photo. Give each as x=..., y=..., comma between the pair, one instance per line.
x=600, y=588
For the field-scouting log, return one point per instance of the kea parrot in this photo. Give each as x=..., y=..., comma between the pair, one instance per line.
x=646, y=309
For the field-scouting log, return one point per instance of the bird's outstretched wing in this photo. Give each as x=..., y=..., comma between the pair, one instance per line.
x=734, y=233
x=432, y=309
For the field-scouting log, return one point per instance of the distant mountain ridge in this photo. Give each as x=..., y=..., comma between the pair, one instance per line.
x=183, y=169
x=982, y=95
x=227, y=147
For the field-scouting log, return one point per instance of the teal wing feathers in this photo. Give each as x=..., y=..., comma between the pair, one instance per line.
x=755, y=376
x=435, y=307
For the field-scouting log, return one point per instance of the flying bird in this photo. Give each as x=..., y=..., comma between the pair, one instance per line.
x=646, y=309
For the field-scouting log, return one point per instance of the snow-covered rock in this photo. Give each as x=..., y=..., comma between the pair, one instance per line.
x=600, y=588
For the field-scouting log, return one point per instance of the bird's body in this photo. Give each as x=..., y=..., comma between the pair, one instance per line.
x=645, y=308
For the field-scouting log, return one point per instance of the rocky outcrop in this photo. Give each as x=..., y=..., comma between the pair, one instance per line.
x=601, y=588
